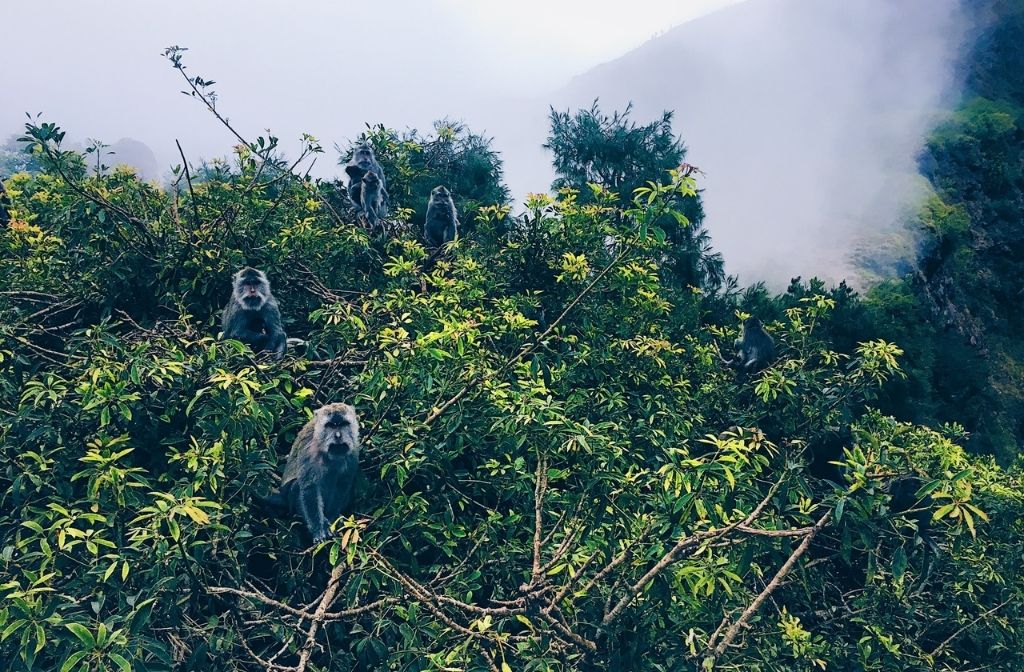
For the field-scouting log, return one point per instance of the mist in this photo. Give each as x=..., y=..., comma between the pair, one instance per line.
x=806, y=116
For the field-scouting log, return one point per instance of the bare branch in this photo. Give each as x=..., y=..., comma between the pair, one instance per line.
x=776, y=581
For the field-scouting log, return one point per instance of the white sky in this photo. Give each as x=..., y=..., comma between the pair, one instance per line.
x=560, y=38
x=94, y=66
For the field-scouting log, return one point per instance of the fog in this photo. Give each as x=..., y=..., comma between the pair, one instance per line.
x=323, y=67
x=807, y=118
x=805, y=115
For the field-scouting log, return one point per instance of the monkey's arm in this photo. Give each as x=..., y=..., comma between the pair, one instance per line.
x=311, y=507
x=346, y=488
x=241, y=327
x=275, y=339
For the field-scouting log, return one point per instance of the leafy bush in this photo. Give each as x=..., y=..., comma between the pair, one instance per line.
x=452, y=155
x=559, y=471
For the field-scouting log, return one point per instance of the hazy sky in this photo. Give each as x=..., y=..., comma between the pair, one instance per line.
x=323, y=67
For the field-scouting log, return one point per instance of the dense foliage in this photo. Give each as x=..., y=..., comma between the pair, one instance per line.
x=560, y=473
x=453, y=155
x=590, y=147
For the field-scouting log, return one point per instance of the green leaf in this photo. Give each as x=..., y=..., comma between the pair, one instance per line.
x=120, y=661
x=942, y=511
x=82, y=633
x=73, y=660
x=899, y=563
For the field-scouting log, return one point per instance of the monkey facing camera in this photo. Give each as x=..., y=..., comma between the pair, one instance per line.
x=368, y=195
x=252, y=315
x=320, y=474
x=442, y=222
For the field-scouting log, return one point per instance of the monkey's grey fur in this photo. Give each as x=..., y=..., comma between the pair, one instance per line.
x=320, y=475
x=252, y=315
x=755, y=348
x=363, y=162
x=372, y=196
x=442, y=222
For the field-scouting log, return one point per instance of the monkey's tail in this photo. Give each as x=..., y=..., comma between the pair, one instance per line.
x=718, y=351
x=274, y=503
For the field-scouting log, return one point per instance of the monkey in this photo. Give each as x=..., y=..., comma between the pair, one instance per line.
x=252, y=315
x=442, y=222
x=363, y=162
x=755, y=348
x=5, y=205
x=372, y=196
x=320, y=474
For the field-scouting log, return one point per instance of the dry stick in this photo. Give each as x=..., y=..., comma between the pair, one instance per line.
x=959, y=632
x=610, y=567
x=567, y=540
x=562, y=548
x=29, y=295
x=776, y=581
x=321, y=363
x=440, y=577
x=188, y=179
x=796, y=532
x=538, y=510
x=260, y=597
x=560, y=595
x=562, y=627
x=300, y=613
x=318, y=615
x=490, y=659
x=268, y=665
x=684, y=544
x=425, y=597
x=50, y=355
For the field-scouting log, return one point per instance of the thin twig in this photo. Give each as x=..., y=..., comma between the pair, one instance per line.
x=188, y=179
x=959, y=632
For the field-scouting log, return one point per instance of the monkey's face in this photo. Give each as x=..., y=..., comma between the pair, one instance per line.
x=251, y=289
x=364, y=153
x=337, y=431
x=441, y=193
x=371, y=180
x=752, y=323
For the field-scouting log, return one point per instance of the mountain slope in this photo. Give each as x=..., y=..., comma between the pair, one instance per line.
x=806, y=117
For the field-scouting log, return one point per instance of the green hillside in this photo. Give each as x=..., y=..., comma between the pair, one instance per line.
x=559, y=470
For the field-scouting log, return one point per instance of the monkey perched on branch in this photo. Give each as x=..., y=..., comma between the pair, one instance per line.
x=320, y=475
x=755, y=348
x=372, y=196
x=364, y=163
x=252, y=315
x=442, y=222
